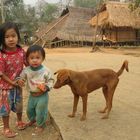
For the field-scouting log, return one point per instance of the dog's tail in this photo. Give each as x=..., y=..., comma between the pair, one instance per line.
x=124, y=66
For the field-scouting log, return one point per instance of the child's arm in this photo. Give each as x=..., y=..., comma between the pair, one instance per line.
x=6, y=78
x=49, y=81
x=22, y=78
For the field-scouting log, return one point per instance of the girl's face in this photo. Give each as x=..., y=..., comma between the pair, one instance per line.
x=11, y=39
x=35, y=59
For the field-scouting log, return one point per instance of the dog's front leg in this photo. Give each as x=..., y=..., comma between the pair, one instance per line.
x=84, y=99
x=75, y=103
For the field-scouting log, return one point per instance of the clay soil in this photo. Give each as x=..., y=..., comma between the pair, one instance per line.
x=73, y=58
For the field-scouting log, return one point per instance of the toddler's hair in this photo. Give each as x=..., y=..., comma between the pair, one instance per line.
x=35, y=48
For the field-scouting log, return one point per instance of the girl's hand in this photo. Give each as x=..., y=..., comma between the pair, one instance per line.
x=42, y=87
x=3, y=76
x=14, y=83
x=21, y=82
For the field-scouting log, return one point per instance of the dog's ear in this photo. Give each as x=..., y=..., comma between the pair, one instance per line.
x=63, y=72
x=57, y=72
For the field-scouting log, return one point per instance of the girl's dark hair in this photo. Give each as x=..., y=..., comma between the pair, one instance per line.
x=6, y=26
x=35, y=48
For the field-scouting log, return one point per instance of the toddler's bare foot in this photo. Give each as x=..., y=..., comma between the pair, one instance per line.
x=30, y=123
x=39, y=130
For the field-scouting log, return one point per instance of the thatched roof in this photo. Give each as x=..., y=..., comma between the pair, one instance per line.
x=116, y=14
x=73, y=27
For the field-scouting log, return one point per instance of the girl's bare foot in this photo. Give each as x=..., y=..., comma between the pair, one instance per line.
x=8, y=133
x=21, y=125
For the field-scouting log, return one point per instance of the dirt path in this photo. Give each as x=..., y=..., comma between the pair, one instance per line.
x=123, y=123
x=50, y=132
x=124, y=51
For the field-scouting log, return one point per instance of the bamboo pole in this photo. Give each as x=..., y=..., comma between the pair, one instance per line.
x=43, y=45
x=51, y=28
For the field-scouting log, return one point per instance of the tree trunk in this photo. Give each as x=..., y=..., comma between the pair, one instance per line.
x=95, y=48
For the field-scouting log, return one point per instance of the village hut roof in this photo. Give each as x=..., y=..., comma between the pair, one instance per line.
x=73, y=27
x=116, y=14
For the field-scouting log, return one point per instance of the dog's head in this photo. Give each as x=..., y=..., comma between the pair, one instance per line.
x=63, y=78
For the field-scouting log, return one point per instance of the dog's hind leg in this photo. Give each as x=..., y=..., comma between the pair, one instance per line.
x=105, y=93
x=75, y=103
x=111, y=90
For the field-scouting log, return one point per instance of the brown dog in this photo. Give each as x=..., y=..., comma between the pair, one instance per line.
x=84, y=82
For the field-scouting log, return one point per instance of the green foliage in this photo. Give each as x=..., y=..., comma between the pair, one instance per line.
x=48, y=13
x=134, y=5
x=15, y=11
x=87, y=3
x=13, y=2
x=30, y=22
x=28, y=18
x=137, y=3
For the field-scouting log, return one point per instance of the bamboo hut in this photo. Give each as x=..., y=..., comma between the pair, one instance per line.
x=118, y=23
x=70, y=28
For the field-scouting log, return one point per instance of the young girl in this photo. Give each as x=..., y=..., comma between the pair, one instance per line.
x=39, y=82
x=12, y=58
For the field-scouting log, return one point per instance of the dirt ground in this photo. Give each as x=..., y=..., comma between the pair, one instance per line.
x=124, y=51
x=127, y=102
